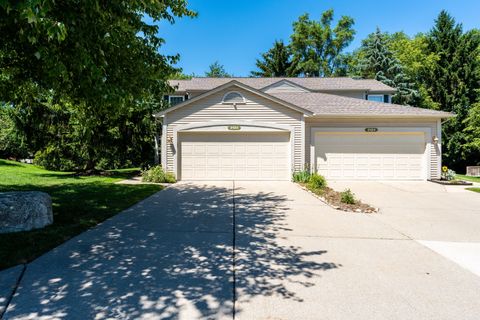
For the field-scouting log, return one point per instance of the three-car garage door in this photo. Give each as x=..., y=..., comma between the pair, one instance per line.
x=371, y=156
x=239, y=156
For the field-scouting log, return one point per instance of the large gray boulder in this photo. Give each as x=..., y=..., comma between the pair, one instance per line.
x=24, y=210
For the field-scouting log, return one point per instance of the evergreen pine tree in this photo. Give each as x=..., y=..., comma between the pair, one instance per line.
x=276, y=62
x=453, y=83
x=379, y=62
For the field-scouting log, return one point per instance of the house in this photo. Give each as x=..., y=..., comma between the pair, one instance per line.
x=266, y=128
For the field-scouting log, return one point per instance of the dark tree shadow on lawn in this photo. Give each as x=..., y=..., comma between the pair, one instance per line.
x=170, y=257
x=76, y=208
x=10, y=164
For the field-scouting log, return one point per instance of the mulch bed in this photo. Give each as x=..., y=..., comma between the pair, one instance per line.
x=453, y=182
x=333, y=199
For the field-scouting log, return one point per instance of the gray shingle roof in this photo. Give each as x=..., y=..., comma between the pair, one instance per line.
x=329, y=104
x=315, y=84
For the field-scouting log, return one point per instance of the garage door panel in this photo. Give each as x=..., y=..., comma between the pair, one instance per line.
x=392, y=156
x=234, y=156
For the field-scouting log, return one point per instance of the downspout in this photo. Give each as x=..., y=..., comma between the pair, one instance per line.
x=439, y=145
x=157, y=139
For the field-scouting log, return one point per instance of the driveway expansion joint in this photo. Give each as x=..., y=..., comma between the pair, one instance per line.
x=234, y=232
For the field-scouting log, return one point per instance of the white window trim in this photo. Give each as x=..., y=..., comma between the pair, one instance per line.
x=175, y=96
x=376, y=95
x=229, y=92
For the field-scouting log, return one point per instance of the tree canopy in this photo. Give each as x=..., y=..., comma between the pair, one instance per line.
x=79, y=81
x=276, y=62
x=454, y=82
x=217, y=70
x=378, y=62
x=316, y=45
x=87, y=75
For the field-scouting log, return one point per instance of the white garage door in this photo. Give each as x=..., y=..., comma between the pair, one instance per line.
x=371, y=156
x=239, y=156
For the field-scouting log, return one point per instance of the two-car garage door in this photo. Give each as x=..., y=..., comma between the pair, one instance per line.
x=371, y=156
x=239, y=156
x=339, y=155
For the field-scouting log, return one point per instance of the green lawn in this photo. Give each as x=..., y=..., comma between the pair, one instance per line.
x=79, y=203
x=467, y=178
x=474, y=189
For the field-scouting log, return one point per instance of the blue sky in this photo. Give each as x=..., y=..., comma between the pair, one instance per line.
x=236, y=32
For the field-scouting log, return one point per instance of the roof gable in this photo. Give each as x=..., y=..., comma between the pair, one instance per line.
x=235, y=84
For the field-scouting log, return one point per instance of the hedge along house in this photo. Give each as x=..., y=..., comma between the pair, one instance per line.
x=266, y=128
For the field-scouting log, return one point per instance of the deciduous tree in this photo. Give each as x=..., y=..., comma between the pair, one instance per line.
x=80, y=66
x=316, y=44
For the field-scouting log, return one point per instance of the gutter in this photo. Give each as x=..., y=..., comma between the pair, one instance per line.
x=381, y=116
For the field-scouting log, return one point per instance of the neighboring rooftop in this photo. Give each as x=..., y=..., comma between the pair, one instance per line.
x=334, y=105
x=314, y=84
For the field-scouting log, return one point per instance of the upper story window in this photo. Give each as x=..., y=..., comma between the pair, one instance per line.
x=173, y=100
x=233, y=97
x=379, y=97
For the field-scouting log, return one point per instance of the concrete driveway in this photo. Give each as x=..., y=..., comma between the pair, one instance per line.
x=244, y=250
x=444, y=218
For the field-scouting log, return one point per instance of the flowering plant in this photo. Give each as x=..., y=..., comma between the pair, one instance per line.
x=448, y=174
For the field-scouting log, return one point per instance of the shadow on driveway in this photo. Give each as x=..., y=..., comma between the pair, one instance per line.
x=170, y=256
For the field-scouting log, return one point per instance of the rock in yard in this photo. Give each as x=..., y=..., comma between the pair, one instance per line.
x=24, y=210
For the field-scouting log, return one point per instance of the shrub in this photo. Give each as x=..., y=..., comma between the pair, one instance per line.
x=170, y=178
x=301, y=176
x=13, y=142
x=158, y=175
x=448, y=174
x=348, y=197
x=317, y=181
x=51, y=158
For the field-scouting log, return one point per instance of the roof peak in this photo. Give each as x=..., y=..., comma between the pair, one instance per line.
x=310, y=83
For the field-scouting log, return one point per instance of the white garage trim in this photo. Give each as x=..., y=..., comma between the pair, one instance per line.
x=426, y=172
x=439, y=145
x=302, y=133
x=222, y=127
x=163, y=144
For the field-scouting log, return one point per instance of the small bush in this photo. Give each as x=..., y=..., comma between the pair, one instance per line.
x=158, y=175
x=348, y=197
x=449, y=175
x=170, y=178
x=317, y=181
x=301, y=176
x=52, y=158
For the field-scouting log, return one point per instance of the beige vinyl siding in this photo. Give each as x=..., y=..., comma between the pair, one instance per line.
x=256, y=109
x=435, y=154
